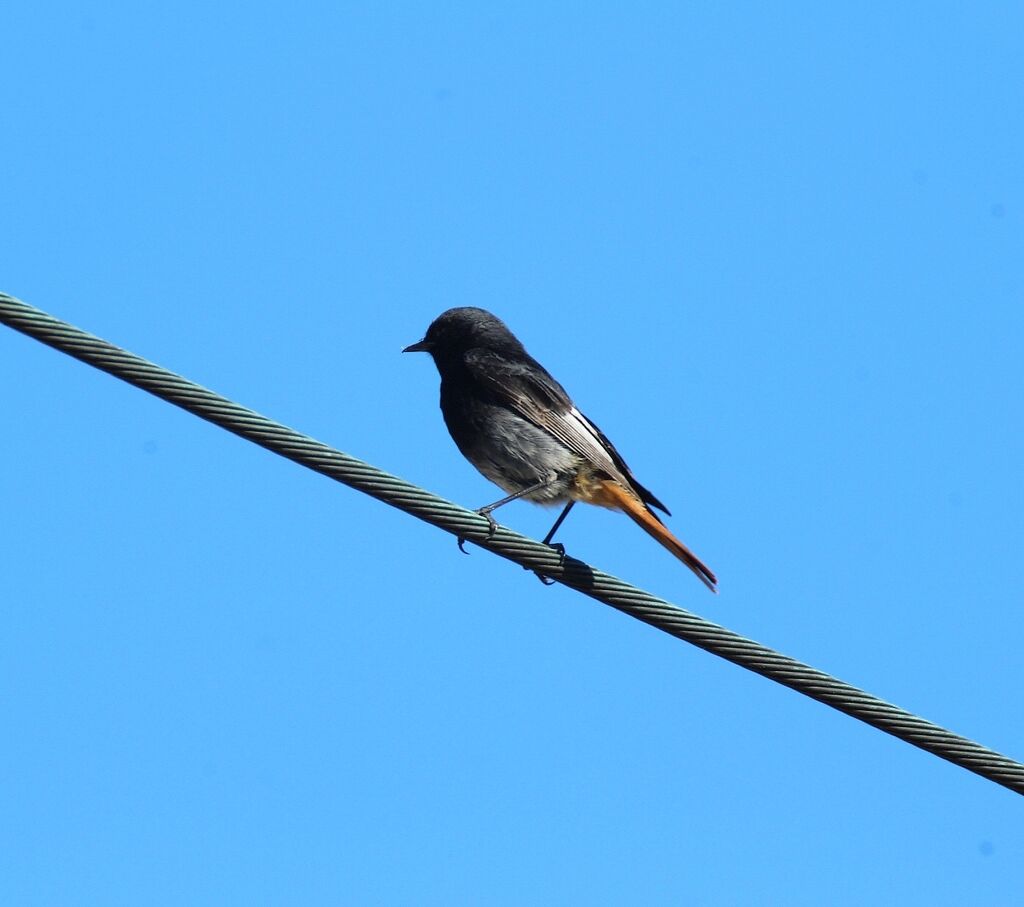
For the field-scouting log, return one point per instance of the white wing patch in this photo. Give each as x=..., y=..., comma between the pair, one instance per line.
x=578, y=433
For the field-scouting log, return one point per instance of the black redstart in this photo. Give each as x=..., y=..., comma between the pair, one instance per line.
x=517, y=425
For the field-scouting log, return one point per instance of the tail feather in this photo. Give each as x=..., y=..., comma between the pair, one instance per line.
x=618, y=497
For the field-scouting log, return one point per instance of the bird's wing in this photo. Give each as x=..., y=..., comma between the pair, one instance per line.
x=527, y=388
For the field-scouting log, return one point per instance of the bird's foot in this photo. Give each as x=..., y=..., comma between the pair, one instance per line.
x=559, y=549
x=492, y=527
x=492, y=524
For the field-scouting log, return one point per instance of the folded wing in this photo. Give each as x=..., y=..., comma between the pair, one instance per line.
x=527, y=388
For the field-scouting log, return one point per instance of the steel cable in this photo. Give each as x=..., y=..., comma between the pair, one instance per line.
x=511, y=545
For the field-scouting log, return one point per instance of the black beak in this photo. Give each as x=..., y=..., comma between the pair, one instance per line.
x=420, y=346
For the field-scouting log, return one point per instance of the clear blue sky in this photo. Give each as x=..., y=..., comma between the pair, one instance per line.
x=775, y=251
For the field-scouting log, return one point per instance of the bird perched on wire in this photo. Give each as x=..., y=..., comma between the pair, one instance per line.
x=518, y=426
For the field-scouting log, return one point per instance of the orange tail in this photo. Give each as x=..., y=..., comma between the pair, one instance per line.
x=612, y=494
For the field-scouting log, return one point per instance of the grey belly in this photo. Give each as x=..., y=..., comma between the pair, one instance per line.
x=515, y=454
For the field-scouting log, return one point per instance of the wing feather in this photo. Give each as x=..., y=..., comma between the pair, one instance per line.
x=527, y=388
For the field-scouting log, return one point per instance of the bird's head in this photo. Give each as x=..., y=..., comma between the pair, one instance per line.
x=454, y=332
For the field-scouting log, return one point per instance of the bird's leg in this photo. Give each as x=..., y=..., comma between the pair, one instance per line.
x=558, y=546
x=492, y=524
x=486, y=511
x=551, y=533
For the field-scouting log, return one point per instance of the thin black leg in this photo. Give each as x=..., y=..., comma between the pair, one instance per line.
x=560, y=548
x=558, y=522
x=486, y=511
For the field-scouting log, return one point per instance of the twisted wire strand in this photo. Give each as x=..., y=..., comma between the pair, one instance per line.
x=511, y=545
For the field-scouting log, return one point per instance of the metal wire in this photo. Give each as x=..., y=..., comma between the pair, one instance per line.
x=518, y=548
